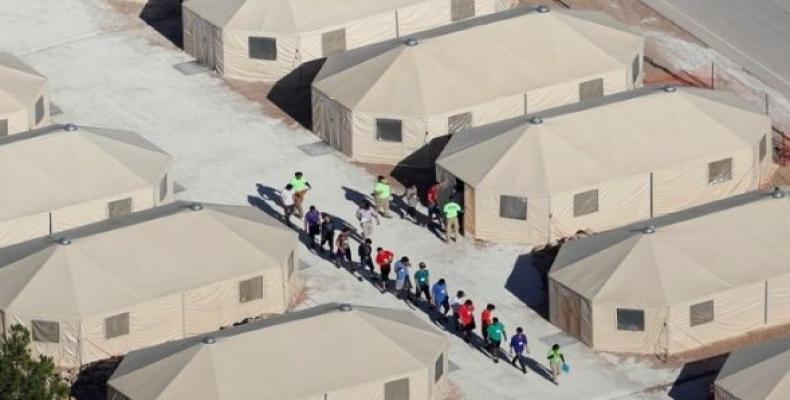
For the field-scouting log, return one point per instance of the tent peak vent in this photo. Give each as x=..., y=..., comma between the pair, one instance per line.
x=543, y=9
x=536, y=120
x=648, y=230
x=777, y=193
x=209, y=340
x=196, y=207
x=64, y=241
x=670, y=89
x=70, y=127
x=345, y=307
x=411, y=42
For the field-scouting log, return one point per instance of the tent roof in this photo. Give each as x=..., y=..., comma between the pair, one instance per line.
x=20, y=84
x=267, y=358
x=610, y=138
x=290, y=16
x=477, y=60
x=758, y=372
x=692, y=254
x=143, y=256
x=79, y=166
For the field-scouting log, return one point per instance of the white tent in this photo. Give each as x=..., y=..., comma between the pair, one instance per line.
x=326, y=352
x=267, y=39
x=384, y=102
x=678, y=283
x=61, y=177
x=605, y=163
x=24, y=103
x=157, y=275
x=759, y=372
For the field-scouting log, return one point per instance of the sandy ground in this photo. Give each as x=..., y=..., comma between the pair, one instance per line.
x=109, y=68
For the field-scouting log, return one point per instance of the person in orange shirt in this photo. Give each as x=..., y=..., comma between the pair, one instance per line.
x=384, y=260
x=466, y=313
x=486, y=320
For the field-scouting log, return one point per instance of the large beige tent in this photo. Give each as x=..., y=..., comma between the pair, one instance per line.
x=384, y=102
x=24, y=103
x=680, y=282
x=326, y=352
x=605, y=163
x=61, y=177
x=157, y=275
x=760, y=372
x=267, y=39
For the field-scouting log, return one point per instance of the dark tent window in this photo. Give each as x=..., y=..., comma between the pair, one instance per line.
x=720, y=171
x=39, y=109
x=251, y=289
x=701, y=313
x=163, y=188
x=585, y=203
x=439, y=368
x=459, y=122
x=462, y=9
x=397, y=390
x=591, y=89
x=389, y=130
x=513, y=207
x=3, y=127
x=630, y=320
x=119, y=208
x=117, y=325
x=263, y=48
x=635, y=69
x=46, y=331
x=291, y=266
x=333, y=42
x=763, y=147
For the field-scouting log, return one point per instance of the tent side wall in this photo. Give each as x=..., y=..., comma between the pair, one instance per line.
x=778, y=297
x=28, y=118
x=98, y=210
x=570, y=312
x=17, y=121
x=65, y=352
x=203, y=40
x=652, y=340
x=489, y=225
x=332, y=122
x=24, y=228
x=684, y=186
x=569, y=92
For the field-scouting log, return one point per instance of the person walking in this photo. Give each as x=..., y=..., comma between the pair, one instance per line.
x=343, y=245
x=403, y=278
x=412, y=200
x=485, y=321
x=327, y=233
x=300, y=186
x=382, y=193
x=422, y=284
x=518, y=345
x=467, y=315
x=384, y=260
x=451, y=211
x=556, y=360
x=456, y=304
x=287, y=197
x=495, y=334
x=365, y=253
x=440, y=298
x=432, y=198
x=366, y=215
x=312, y=225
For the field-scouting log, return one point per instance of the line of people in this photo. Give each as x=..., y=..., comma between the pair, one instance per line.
x=320, y=229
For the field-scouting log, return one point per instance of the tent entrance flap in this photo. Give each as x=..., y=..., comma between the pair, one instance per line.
x=469, y=209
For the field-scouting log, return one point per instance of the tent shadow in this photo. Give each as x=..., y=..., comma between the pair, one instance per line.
x=695, y=380
x=91, y=383
x=292, y=94
x=529, y=284
x=164, y=16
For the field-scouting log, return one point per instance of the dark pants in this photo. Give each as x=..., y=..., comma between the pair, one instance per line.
x=328, y=238
x=519, y=357
x=313, y=231
x=434, y=212
x=444, y=306
x=420, y=289
x=484, y=332
x=344, y=255
x=366, y=261
x=494, y=348
x=468, y=329
x=288, y=211
x=385, y=275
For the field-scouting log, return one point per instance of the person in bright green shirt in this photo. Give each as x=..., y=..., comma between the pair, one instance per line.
x=495, y=333
x=382, y=193
x=422, y=285
x=556, y=359
x=300, y=188
x=451, y=210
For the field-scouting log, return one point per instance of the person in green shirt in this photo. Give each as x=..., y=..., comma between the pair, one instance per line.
x=422, y=284
x=382, y=193
x=300, y=187
x=496, y=333
x=451, y=210
x=556, y=360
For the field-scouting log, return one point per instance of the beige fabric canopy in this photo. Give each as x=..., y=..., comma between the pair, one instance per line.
x=24, y=103
x=605, y=163
x=267, y=39
x=146, y=278
x=62, y=179
x=680, y=282
x=760, y=372
x=384, y=102
x=326, y=352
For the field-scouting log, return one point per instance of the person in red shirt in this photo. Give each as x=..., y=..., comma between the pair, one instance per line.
x=384, y=260
x=432, y=198
x=485, y=320
x=466, y=314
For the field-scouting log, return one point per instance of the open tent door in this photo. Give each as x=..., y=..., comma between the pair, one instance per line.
x=468, y=223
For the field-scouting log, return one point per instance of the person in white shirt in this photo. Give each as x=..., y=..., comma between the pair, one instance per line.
x=366, y=214
x=287, y=195
x=455, y=305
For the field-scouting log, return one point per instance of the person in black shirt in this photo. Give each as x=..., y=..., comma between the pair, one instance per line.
x=327, y=233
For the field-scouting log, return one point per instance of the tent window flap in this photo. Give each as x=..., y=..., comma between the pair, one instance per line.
x=262, y=48
x=117, y=325
x=397, y=390
x=585, y=203
x=630, y=320
x=462, y=9
x=389, y=130
x=701, y=313
x=291, y=266
x=459, y=122
x=46, y=331
x=3, y=127
x=635, y=69
x=39, y=110
x=163, y=188
x=439, y=368
x=251, y=289
x=512, y=207
x=119, y=208
x=763, y=150
x=333, y=42
x=591, y=89
x=720, y=171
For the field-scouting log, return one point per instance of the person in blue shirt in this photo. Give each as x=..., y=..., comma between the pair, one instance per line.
x=440, y=298
x=518, y=345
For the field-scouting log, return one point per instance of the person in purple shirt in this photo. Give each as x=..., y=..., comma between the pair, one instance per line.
x=312, y=225
x=518, y=345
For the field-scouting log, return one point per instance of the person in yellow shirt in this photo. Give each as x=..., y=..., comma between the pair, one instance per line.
x=300, y=187
x=451, y=210
x=382, y=193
